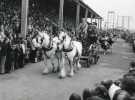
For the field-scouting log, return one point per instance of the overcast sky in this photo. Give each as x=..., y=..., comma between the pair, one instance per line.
x=121, y=8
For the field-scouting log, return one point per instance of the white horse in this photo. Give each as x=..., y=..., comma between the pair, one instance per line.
x=72, y=50
x=49, y=46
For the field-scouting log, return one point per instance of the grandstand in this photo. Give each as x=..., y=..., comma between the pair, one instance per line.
x=65, y=14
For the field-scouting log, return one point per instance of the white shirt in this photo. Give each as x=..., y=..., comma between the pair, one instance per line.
x=112, y=90
x=2, y=36
x=23, y=48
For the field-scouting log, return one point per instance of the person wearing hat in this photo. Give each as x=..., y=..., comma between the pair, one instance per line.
x=17, y=28
x=2, y=34
x=20, y=51
x=3, y=52
x=82, y=29
x=132, y=67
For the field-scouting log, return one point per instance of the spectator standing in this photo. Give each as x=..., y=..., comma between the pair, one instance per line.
x=3, y=55
x=36, y=46
x=2, y=50
x=82, y=29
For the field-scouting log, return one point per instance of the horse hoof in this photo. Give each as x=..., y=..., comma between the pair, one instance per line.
x=45, y=72
x=75, y=70
x=61, y=77
x=71, y=75
x=79, y=66
x=54, y=70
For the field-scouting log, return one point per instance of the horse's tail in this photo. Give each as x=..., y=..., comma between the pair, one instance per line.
x=80, y=49
x=78, y=45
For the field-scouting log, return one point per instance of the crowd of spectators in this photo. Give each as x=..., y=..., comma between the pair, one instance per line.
x=120, y=89
x=15, y=51
x=38, y=19
x=11, y=44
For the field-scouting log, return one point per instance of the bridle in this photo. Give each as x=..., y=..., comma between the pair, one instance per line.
x=70, y=48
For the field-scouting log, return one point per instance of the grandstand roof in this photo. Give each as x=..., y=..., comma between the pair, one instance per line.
x=74, y=2
x=90, y=9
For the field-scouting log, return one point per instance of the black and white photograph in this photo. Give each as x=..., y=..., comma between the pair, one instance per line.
x=67, y=49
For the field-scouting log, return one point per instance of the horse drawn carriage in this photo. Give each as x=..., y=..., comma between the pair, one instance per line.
x=90, y=46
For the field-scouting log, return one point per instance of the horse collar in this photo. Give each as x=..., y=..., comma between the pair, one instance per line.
x=69, y=49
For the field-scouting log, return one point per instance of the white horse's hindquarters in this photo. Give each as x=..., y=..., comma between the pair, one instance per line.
x=72, y=53
x=78, y=45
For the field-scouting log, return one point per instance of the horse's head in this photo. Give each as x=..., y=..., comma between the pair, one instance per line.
x=65, y=40
x=56, y=42
x=62, y=35
x=44, y=38
x=61, y=38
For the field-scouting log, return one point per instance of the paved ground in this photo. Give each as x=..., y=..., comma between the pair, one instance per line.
x=29, y=84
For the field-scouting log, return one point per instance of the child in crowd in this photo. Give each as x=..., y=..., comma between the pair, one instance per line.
x=86, y=94
x=132, y=67
x=74, y=96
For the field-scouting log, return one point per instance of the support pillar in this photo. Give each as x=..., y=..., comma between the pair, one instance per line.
x=86, y=14
x=24, y=17
x=100, y=24
x=91, y=18
x=61, y=14
x=78, y=15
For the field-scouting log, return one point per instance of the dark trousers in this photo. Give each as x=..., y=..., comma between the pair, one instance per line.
x=10, y=60
x=3, y=58
x=36, y=54
x=2, y=63
x=19, y=58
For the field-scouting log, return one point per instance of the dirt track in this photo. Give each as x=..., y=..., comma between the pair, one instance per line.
x=29, y=83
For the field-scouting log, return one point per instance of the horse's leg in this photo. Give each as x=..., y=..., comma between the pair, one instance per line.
x=59, y=58
x=54, y=65
x=46, y=70
x=58, y=66
x=78, y=64
x=104, y=52
x=78, y=59
x=111, y=48
x=62, y=73
x=71, y=68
